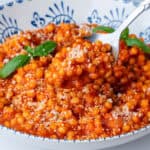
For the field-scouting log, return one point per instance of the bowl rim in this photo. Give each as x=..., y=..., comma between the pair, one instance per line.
x=46, y=139
x=10, y=3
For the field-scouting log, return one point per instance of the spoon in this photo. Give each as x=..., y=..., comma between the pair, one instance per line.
x=114, y=37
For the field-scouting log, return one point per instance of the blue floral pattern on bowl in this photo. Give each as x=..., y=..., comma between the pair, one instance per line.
x=113, y=19
x=8, y=27
x=60, y=13
x=37, y=20
x=135, y=2
x=95, y=17
x=146, y=34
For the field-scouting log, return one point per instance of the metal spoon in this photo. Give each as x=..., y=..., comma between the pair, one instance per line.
x=114, y=37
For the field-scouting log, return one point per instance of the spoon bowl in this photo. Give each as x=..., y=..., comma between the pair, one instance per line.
x=113, y=38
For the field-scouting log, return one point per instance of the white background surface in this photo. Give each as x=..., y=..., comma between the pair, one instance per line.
x=141, y=144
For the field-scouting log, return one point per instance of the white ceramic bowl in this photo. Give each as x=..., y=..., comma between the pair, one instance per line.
x=31, y=14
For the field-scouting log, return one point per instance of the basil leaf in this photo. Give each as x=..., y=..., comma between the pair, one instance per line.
x=29, y=50
x=138, y=43
x=12, y=65
x=44, y=49
x=103, y=29
x=21, y=60
x=125, y=34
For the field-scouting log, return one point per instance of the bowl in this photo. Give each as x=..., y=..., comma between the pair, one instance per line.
x=19, y=15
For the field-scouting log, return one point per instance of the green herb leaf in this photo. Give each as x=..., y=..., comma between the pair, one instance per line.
x=125, y=34
x=42, y=50
x=103, y=29
x=29, y=50
x=12, y=65
x=138, y=43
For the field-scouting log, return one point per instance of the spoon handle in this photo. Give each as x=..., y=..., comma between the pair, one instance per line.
x=138, y=11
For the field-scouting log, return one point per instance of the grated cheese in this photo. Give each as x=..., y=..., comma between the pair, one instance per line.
x=77, y=52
